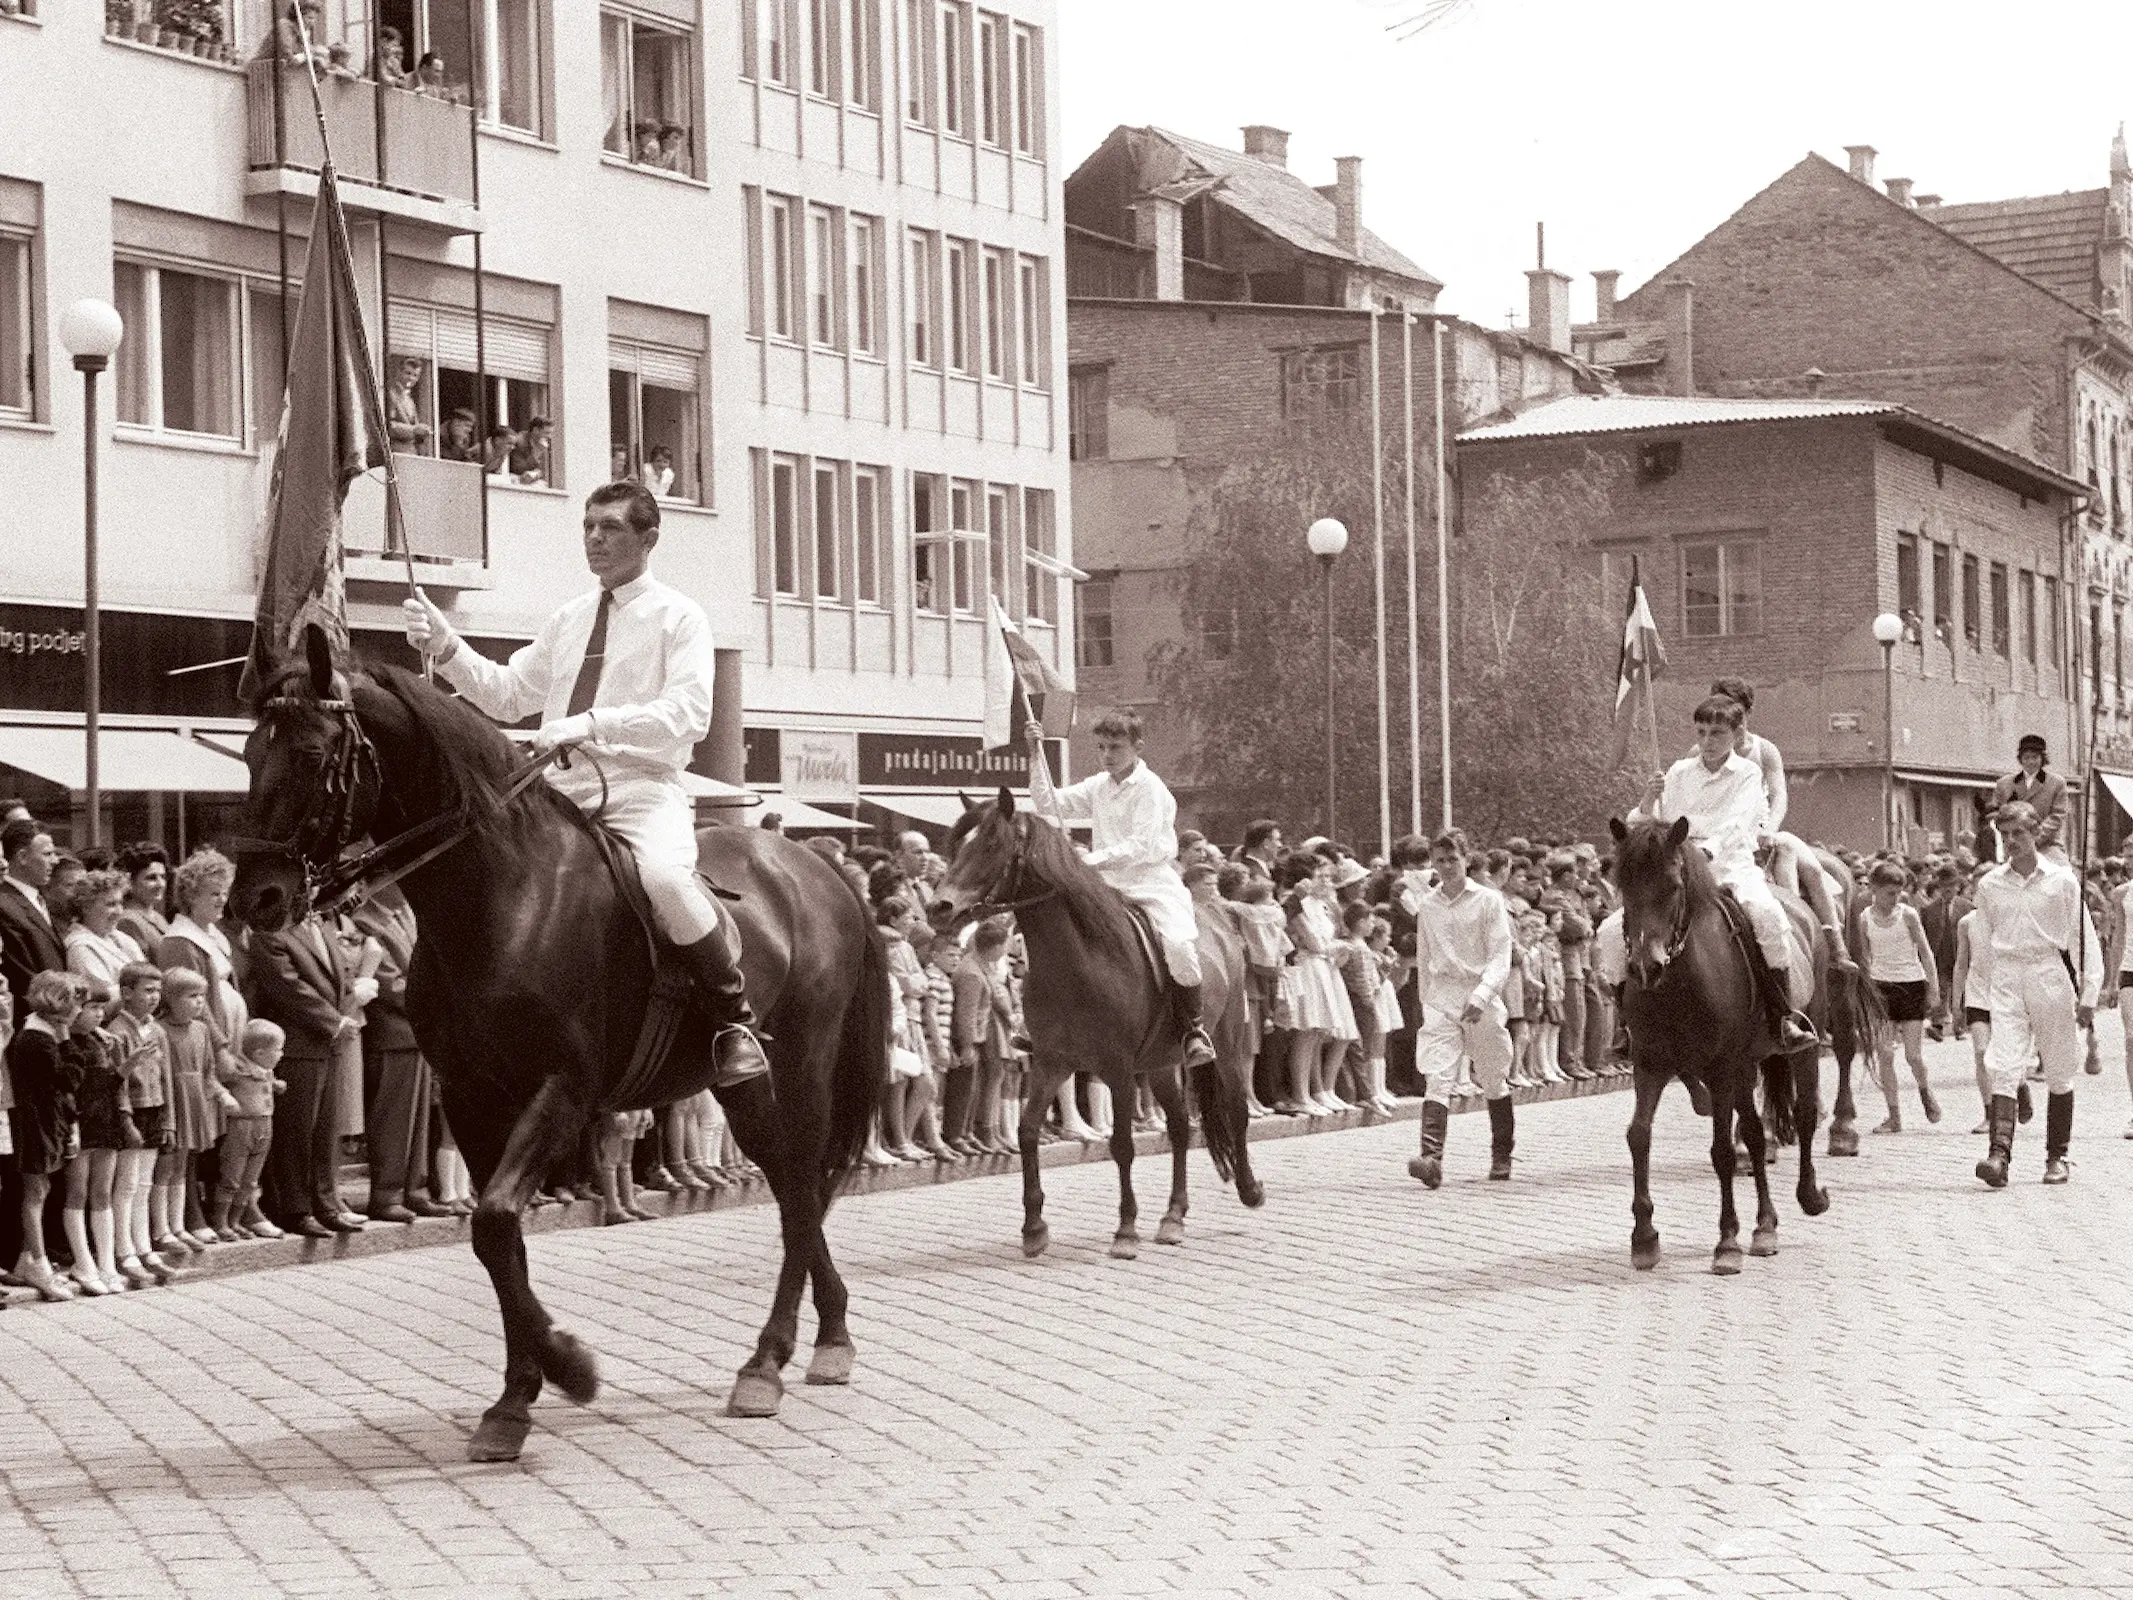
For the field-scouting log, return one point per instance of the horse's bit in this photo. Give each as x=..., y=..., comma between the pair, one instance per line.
x=1017, y=868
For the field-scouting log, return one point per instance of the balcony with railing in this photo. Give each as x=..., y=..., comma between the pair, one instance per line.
x=396, y=152
x=442, y=511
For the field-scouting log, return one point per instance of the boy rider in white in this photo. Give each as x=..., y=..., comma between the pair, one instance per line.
x=625, y=671
x=1720, y=792
x=1133, y=845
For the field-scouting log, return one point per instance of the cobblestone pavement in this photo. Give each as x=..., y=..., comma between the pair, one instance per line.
x=1364, y=1389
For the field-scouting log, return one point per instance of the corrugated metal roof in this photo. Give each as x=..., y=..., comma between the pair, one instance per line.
x=1283, y=204
x=1631, y=413
x=2051, y=238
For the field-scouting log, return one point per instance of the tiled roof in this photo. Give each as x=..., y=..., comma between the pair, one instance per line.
x=2049, y=238
x=1282, y=203
x=1630, y=413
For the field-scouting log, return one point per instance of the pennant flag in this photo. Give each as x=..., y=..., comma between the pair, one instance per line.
x=332, y=429
x=1020, y=686
x=1642, y=655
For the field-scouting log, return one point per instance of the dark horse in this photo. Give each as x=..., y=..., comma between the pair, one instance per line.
x=532, y=975
x=1692, y=1009
x=1095, y=1001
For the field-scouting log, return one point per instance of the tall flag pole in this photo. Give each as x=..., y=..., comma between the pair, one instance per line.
x=1020, y=686
x=1642, y=655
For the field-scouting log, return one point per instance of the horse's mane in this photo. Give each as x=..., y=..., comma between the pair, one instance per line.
x=1645, y=850
x=464, y=760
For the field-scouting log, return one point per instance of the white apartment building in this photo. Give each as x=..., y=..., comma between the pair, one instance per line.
x=796, y=263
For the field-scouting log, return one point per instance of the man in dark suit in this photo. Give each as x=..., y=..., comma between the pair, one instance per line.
x=398, y=1118
x=299, y=982
x=28, y=946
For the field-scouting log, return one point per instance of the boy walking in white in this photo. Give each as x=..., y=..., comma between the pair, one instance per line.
x=1462, y=960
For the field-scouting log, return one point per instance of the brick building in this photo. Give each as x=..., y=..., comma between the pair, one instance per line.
x=1234, y=311
x=2007, y=319
x=1771, y=533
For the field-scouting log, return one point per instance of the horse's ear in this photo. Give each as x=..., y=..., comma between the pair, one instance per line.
x=1007, y=801
x=1678, y=833
x=1620, y=829
x=318, y=655
x=968, y=803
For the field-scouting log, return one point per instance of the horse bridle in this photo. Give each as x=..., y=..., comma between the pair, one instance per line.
x=1017, y=868
x=1677, y=940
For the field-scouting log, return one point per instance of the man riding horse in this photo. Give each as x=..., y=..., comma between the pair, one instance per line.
x=624, y=674
x=1720, y=793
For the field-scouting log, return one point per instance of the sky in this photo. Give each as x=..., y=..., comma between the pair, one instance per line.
x=1631, y=129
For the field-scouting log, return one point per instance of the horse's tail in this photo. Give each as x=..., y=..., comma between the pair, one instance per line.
x=1777, y=1098
x=1222, y=1122
x=862, y=1068
x=1868, y=1015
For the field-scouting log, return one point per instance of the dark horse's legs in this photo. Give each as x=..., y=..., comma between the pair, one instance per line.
x=1845, y=1040
x=1764, y=1243
x=533, y=1348
x=1126, y=1244
x=1037, y=1095
x=1806, y=1112
x=1644, y=1238
x=1724, y=1102
x=1170, y=1095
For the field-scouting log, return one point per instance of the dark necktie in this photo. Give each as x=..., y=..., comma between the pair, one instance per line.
x=588, y=684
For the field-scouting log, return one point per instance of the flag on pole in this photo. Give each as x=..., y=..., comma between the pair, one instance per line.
x=330, y=433
x=1020, y=687
x=1642, y=656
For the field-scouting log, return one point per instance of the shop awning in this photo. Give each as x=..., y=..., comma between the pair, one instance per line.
x=799, y=814
x=941, y=810
x=1943, y=780
x=2121, y=789
x=129, y=761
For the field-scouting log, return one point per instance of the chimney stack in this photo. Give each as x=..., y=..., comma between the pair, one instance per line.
x=1680, y=336
x=1270, y=145
x=1159, y=228
x=1348, y=204
x=1862, y=161
x=1548, y=309
x=1603, y=294
x=1928, y=202
x=1900, y=192
x=1815, y=378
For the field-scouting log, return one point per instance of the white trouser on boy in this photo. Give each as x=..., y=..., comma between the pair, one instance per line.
x=1610, y=951
x=654, y=817
x=1177, y=928
x=2032, y=1020
x=1443, y=1041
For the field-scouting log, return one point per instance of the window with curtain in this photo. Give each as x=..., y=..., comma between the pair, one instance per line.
x=1000, y=542
x=2026, y=613
x=825, y=54
x=955, y=68
x=825, y=272
x=1040, y=547
x=996, y=315
x=1973, y=606
x=830, y=532
x=785, y=524
x=18, y=385
x=2002, y=644
x=1089, y=414
x=929, y=543
x=918, y=62
x=1033, y=322
x=869, y=503
x=648, y=92
x=992, y=78
x=962, y=556
x=653, y=401
x=516, y=55
x=865, y=275
x=179, y=365
x=782, y=269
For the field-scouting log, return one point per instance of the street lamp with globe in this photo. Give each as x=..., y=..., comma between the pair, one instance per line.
x=1327, y=538
x=91, y=331
x=1888, y=629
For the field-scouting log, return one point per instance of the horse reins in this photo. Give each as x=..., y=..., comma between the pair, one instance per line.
x=1016, y=867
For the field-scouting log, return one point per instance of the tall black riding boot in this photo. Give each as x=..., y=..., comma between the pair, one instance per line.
x=2058, y=1133
x=1185, y=1001
x=2000, y=1123
x=1429, y=1165
x=720, y=991
x=1502, y=1136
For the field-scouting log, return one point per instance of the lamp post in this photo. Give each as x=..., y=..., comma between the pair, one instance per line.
x=1888, y=628
x=1328, y=537
x=91, y=330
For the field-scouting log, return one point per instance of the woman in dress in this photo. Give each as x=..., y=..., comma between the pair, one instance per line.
x=141, y=916
x=97, y=947
x=1320, y=1018
x=199, y=894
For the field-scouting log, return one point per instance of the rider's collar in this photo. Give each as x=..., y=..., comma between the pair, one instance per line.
x=1139, y=767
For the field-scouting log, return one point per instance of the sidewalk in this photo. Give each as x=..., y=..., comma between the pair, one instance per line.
x=259, y=1255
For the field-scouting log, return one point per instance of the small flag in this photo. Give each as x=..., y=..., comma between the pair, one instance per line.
x=330, y=433
x=1642, y=656
x=1020, y=686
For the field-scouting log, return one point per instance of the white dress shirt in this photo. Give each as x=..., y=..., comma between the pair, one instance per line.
x=1133, y=824
x=654, y=701
x=1462, y=947
x=1727, y=809
x=2034, y=919
x=1754, y=747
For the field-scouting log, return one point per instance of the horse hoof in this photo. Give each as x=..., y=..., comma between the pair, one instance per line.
x=498, y=1439
x=1764, y=1243
x=1644, y=1254
x=568, y=1363
x=1725, y=1260
x=832, y=1364
x=1814, y=1201
x=1844, y=1141
x=1170, y=1231
x=1126, y=1247
x=756, y=1394
x=1034, y=1240
x=1253, y=1194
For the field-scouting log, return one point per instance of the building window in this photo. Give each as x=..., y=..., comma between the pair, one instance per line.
x=919, y=60
x=1944, y=594
x=1034, y=322
x=958, y=284
x=18, y=367
x=1088, y=413
x=992, y=79
x=2051, y=623
x=1907, y=596
x=2095, y=645
x=962, y=553
x=825, y=52
x=2001, y=644
x=996, y=332
x=925, y=348
x=781, y=270
x=999, y=542
x=869, y=497
x=515, y=58
x=955, y=84
x=785, y=525
x=1092, y=623
x=1321, y=382
x=652, y=411
x=647, y=92
x=829, y=533
x=866, y=275
x=825, y=274
x=2118, y=648
x=2026, y=613
x=1973, y=620
x=1040, y=554
x=767, y=29
x=929, y=543
x=863, y=33
x=1029, y=91
x=179, y=362
x=436, y=346
x=1722, y=589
